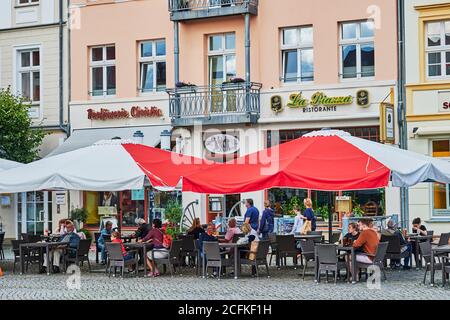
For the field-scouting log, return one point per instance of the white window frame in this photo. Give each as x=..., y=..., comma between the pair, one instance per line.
x=439, y=213
x=29, y=3
x=17, y=81
x=300, y=47
x=442, y=49
x=154, y=59
x=104, y=64
x=224, y=52
x=359, y=42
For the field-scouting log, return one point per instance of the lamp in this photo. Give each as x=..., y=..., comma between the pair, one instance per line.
x=138, y=137
x=166, y=136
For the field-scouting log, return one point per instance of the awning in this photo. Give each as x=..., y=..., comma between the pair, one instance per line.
x=432, y=131
x=7, y=164
x=85, y=137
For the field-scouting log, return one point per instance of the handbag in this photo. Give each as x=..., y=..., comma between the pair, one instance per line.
x=306, y=227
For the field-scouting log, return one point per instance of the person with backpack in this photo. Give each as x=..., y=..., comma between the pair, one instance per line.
x=160, y=247
x=267, y=221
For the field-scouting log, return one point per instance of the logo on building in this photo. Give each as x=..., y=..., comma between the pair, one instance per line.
x=276, y=104
x=362, y=98
x=222, y=144
x=135, y=112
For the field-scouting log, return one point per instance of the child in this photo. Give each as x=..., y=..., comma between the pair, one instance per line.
x=116, y=238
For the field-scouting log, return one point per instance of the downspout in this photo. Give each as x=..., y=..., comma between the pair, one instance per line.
x=61, y=67
x=247, y=64
x=176, y=50
x=69, y=68
x=401, y=108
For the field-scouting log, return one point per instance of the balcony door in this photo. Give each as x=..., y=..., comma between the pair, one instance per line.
x=34, y=212
x=222, y=67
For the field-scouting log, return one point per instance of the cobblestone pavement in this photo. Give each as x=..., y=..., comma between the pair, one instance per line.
x=283, y=284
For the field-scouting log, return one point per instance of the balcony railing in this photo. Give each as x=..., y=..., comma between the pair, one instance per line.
x=220, y=104
x=201, y=9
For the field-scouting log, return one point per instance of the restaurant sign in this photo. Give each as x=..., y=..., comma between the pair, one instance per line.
x=135, y=112
x=319, y=101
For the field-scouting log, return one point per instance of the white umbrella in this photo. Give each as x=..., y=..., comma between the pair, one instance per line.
x=7, y=164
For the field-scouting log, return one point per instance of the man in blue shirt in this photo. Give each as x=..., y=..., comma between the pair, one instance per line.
x=251, y=215
x=106, y=231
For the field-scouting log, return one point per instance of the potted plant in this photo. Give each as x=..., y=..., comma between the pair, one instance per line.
x=357, y=211
x=79, y=216
x=173, y=213
x=323, y=213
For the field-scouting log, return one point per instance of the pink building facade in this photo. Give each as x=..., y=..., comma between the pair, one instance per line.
x=254, y=73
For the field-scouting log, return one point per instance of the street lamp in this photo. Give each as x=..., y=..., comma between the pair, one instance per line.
x=138, y=137
x=166, y=136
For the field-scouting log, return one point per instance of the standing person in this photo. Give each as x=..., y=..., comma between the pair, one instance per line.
x=309, y=213
x=232, y=230
x=70, y=237
x=106, y=231
x=298, y=221
x=251, y=215
x=196, y=229
x=267, y=221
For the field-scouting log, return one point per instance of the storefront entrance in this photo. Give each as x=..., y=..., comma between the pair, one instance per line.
x=34, y=212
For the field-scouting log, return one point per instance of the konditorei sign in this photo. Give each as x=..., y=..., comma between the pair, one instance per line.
x=319, y=101
x=135, y=112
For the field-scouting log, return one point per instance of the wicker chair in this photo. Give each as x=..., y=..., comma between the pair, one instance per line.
x=329, y=261
x=425, y=249
x=214, y=258
x=260, y=257
x=378, y=260
x=307, y=247
x=116, y=259
x=80, y=254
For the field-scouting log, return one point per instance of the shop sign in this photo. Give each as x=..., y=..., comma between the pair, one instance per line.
x=138, y=194
x=60, y=198
x=444, y=101
x=387, y=124
x=222, y=144
x=362, y=98
x=135, y=112
x=276, y=104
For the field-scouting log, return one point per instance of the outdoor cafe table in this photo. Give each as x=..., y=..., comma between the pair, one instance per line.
x=417, y=239
x=350, y=252
x=434, y=251
x=299, y=237
x=143, y=247
x=47, y=246
x=237, y=257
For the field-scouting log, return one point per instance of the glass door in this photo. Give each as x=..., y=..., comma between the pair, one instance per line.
x=34, y=212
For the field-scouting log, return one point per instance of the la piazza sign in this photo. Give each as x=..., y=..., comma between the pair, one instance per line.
x=134, y=112
x=319, y=102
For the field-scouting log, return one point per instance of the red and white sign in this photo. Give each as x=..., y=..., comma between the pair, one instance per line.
x=135, y=112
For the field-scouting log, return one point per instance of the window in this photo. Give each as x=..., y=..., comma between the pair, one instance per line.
x=27, y=2
x=103, y=71
x=357, y=50
x=297, y=54
x=152, y=65
x=438, y=49
x=29, y=75
x=440, y=191
x=222, y=58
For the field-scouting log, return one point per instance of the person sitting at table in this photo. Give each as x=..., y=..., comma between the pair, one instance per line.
x=352, y=234
x=55, y=255
x=196, y=229
x=418, y=227
x=250, y=236
x=232, y=231
x=156, y=238
x=143, y=229
x=106, y=231
x=61, y=228
x=405, y=246
x=117, y=238
x=298, y=221
x=207, y=236
x=367, y=243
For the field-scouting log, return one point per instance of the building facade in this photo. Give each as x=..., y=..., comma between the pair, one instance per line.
x=427, y=97
x=34, y=64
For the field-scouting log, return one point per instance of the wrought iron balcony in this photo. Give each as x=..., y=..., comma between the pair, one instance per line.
x=201, y=9
x=227, y=103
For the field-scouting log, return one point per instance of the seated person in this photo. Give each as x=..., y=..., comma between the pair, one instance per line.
x=106, y=231
x=405, y=245
x=352, y=234
x=250, y=236
x=196, y=229
x=72, y=238
x=117, y=238
x=143, y=229
x=418, y=227
x=232, y=231
x=367, y=242
x=207, y=236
